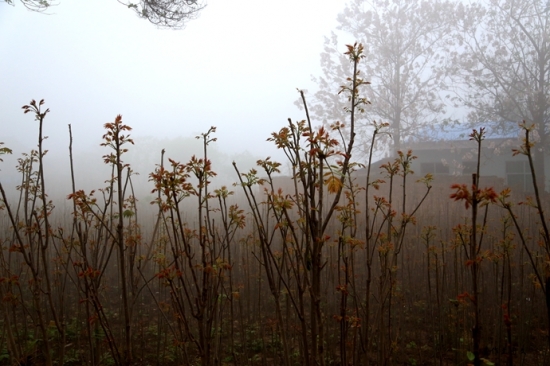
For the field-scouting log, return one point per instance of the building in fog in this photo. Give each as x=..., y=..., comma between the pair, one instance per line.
x=456, y=155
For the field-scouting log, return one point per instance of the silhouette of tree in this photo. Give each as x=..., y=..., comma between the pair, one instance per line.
x=162, y=13
x=405, y=46
x=502, y=66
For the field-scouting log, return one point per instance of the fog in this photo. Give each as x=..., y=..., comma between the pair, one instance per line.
x=236, y=67
x=437, y=252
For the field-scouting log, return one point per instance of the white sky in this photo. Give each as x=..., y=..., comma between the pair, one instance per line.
x=236, y=67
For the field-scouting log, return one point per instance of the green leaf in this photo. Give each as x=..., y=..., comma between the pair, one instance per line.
x=470, y=355
x=487, y=362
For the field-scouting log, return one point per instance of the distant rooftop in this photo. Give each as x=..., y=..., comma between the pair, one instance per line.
x=459, y=137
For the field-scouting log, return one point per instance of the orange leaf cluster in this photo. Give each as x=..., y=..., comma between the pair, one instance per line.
x=483, y=196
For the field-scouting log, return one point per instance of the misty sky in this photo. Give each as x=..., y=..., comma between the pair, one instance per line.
x=236, y=67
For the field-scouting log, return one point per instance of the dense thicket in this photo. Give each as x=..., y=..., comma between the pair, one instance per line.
x=339, y=263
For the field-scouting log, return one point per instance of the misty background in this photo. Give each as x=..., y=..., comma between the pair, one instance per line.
x=236, y=67
x=436, y=69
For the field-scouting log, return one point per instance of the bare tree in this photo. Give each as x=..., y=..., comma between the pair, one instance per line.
x=167, y=13
x=405, y=44
x=503, y=66
x=34, y=5
x=162, y=13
